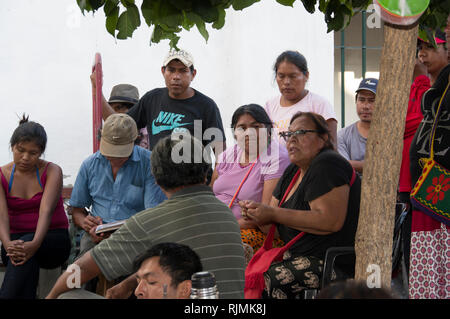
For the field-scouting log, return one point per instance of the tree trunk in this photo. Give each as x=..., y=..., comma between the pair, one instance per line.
x=383, y=157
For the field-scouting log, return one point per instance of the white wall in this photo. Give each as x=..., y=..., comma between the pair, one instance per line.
x=48, y=50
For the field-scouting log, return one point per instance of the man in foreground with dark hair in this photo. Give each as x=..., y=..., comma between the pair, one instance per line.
x=165, y=270
x=192, y=216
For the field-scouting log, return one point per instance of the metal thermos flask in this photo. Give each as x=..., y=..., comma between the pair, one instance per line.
x=204, y=286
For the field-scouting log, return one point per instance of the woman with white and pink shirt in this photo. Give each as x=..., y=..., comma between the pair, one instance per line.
x=291, y=73
x=255, y=163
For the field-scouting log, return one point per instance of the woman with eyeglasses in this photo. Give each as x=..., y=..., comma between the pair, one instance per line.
x=317, y=199
x=291, y=74
x=251, y=168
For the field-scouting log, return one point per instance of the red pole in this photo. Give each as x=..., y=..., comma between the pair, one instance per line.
x=97, y=103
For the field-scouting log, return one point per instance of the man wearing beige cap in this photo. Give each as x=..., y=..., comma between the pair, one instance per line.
x=115, y=182
x=177, y=107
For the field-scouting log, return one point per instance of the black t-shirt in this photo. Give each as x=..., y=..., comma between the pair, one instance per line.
x=420, y=145
x=163, y=115
x=328, y=170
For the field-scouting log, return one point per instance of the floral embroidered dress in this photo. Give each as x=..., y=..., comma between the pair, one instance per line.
x=430, y=239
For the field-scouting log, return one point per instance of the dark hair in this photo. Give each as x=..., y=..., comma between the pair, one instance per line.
x=254, y=110
x=321, y=126
x=352, y=289
x=293, y=57
x=29, y=132
x=190, y=167
x=178, y=260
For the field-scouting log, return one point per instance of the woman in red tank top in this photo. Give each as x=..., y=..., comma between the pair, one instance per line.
x=33, y=223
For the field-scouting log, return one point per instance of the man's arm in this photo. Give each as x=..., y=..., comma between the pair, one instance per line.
x=107, y=110
x=85, y=268
x=124, y=289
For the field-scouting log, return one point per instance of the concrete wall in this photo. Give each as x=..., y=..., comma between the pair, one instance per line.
x=48, y=50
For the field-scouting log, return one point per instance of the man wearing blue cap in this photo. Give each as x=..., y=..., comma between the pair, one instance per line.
x=352, y=139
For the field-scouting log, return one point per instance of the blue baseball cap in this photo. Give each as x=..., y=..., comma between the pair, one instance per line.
x=369, y=84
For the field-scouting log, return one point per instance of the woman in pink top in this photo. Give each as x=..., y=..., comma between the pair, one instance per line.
x=33, y=223
x=257, y=162
x=291, y=73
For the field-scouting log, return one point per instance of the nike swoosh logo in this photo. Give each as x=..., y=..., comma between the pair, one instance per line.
x=160, y=128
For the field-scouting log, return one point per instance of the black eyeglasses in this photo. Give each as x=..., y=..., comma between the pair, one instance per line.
x=287, y=134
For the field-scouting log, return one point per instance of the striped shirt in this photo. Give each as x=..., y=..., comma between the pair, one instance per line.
x=194, y=217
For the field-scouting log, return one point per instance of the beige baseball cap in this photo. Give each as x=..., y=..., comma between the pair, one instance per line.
x=118, y=135
x=184, y=56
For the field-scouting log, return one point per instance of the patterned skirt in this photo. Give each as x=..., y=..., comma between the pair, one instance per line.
x=289, y=278
x=429, y=274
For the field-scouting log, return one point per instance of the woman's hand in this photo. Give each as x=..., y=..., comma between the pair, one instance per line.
x=14, y=250
x=259, y=213
x=20, y=253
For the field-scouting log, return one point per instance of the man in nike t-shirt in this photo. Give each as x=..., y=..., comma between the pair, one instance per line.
x=178, y=107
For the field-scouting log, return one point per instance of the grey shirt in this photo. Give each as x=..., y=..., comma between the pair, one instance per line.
x=351, y=144
x=194, y=217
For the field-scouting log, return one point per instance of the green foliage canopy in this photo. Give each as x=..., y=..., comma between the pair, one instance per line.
x=169, y=17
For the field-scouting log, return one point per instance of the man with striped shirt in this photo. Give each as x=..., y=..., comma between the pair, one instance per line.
x=192, y=216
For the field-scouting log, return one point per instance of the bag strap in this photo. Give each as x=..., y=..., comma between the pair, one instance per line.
x=271, y=233
x=438, y=113
x=242, y=183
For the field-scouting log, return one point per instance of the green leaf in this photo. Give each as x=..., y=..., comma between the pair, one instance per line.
x=220, y=22
x=310, y=5
x=346, y=10
x=159, y=13
x=206, y=11
x=242, y=4
x=323, y=5
x=202, y=29
x=110, y=5
x=334, y=16
x=220, y=3
x=127, y=3
x=150, y=11
x=359, y=4
x=187, y=24
x=289, y=3
x=84, y=5
x=128, y=22
x=199, y=23
x=111, y=21
x=181, y=4
x=159, y=34
x=336, y=23
x=95, y=4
